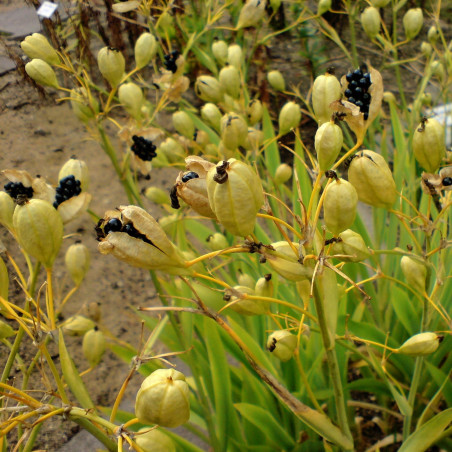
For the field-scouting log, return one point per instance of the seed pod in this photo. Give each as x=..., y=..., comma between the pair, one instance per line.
x=78, y=169
x=42, y=73
x=380, y=3
x=78, y=325
x=283, y=261
x=254, y=111
x=370, y=21
x=264, y=286
x=323, y=7
x=276, y=80
x=251, y=13
x=217, y=242
x=282, y=344
x=230, y=81
x=289, y=117
x=220, y=51
x=433, y=35
x=247, y=280
x=131, y=98
x=208, y=89
x=93, y=346
x=437, y=70
x=328, y=144
x=412, y=22
x=235, y=195
x=84, y=106
x=92, y=310
x=234, y=131
x=4, y=282
x=183, y=124
x=39, y=230
x=172, y=150
x=339, y=206
x=370, y=175
x=426, y=49
x=212, y=115
x=415, y=273
x=157, y=195
x=37, y=46
x=326, y=89
x=77, y=260
x=352, y=245
x=163, y=399
x=420, y=344
x=254, y=139
x=111, y=65
x=283, y=173
x=237, y=296
x=154, y=441
x=5, y=330
x=145, y=49
x=7, y=207
x=235, y=56
x=429, y=144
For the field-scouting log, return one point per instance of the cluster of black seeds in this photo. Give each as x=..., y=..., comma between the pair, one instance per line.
x=143, y=149
x=357, y=92
x=170, y=61
x=190, y=175
x=17, y=190
x=447, y=181
x=115, y=225
x=68, y=188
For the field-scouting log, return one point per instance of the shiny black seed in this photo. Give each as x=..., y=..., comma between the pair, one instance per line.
x=129, y=229
x=113, y=225
x=358, y=92
x=189, y=175
x=447, y=181
x=59, y=198
x=17, y=189
x=352, y=100
x=348, y=93
x=364, y=82
x=357, y=74
x=358, y=103
x=55, y=204
x=366, y=97
x=353, y=84
x=143, y=148
x=349, y=77
x=366, y=115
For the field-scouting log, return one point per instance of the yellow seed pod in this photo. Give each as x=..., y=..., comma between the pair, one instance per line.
x=412, y=22
x=339, y=206
x=371, y=21
x=211, y=114
x=352, y=245
x=437, y=70
x=163, y=399
x=4, y=282
x=220, y=51
x=208, y=88
x=42, y=73
x=254, y=139
x=370, y=175
x=415, y=273
x=326, y=89
x=251, y=13
x=276, y=80
x=111, y=65
x=212, y=298
x=420, y=344
x=264, y=286
x=183, y=124
x=234, y=131
x=39, y=230
x=157, y=195
x=328, y=143
x=426, y=49
x=235, y=195
x=93, y=346
x=247, y=280
x=433, y=35
x=145, y=49
x=78, y=325
x=5, y=330
x=283, y=173
x=254, y=111
x=37, y=46
x=78, y=169
x=429, y=144
x=131, y=97
x=289, y=117
x=154, y=441
x=172, y=150
x=243, y=306
x=323, y=7
x=7, y=207
x=229, y=78
x=217, y=241
x=84, y=107
x=235, y=55
x=77, y=260
x=282, y=344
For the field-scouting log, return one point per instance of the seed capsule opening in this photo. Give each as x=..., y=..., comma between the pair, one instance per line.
x=221, y=176
x=143, y=148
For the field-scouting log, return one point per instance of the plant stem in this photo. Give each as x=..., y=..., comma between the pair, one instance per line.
x=49, y=299
x=351, y=22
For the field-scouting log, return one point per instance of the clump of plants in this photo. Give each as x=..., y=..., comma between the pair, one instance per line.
x=293, y=312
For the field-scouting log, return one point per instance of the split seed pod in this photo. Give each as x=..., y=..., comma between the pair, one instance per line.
x=39, y=230
x=37, y=46
x=78, y=169
x=420, y=344
x=415, y=273
x=429, y=144
x=325, y=91
x=163, y=399
x=282, y=344
x=77, y=260
x=237, y=296
x=289, y=117
x=328, y=144
x=93, y=346
x=111, y=65
x=412, y=22
x=154, y=440
x=42, y=73
x=352, y=245
x=235, y=195
x=371, y=21
x=339, y=206
x=145, y=49
x=370, y=175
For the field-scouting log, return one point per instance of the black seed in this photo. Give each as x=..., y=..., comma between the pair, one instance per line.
x=143, y=148
x=17, y=189
x=358, y=92
x=366, y=115
x=364, y=82
x=352, y=100
x=358, y=103
x=447, y=181
x=353, y=84
x=189, y=175
x=348, y=93
x=357, y=74
x=366, y=97
x=349, y=77
x=113, y=225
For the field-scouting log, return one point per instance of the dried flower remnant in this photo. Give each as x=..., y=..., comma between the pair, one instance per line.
x=172, y=81
x=69, y=198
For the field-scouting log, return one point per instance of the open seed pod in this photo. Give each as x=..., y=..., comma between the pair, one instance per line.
x=23, y=185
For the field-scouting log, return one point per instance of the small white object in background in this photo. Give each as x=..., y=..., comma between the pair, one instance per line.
x=47, y=9
x=443, y=113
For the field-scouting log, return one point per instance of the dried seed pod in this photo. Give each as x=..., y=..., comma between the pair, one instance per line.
x=131, y=98
x=229, y=78
x=163, y=399
x=78, y=169
x=339, y=206
x=154, y=440
x=371, y=21
x=7, y=207
x=235, y=56
x=251, y=13
x=241, y=304
x=412, y=22
x=217, y=241
x=77, y=260
x=429, y=144
x=39, y=230
x=420, y=344
x=111, y=65
x=220, y=51
x=264, y=286
x=145, y=49
x=157, y=195
x=328, y=144
x=245, y=279
x=352, y=245
x=370, y=175
x=208, y=89
x=235, y=195
x=326, y=89
x=276, y=80
x=234, y=131
x=183, y=124
x=42, y=73
x=282, y=344
x=93, y=346
x=415, y=273
x=254, y=111
x=4, y=282
x=37, y=46
x=212, y=115
x=283, y=173
x=5, y=330
x=78, y=325
x=289, y=117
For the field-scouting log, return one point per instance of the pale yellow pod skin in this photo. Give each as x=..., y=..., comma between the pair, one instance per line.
x=247, y=280
x=412, y=22
x=208, y=88
x=371, y=21
x=352, y=245
x=39, y=230
x=145, y=49
x=4, y=282
x=251, y=13
x=37, y=46
x=7, y=207
x=229, y=78
x=264, y=286
x=328, y=143
x=420, y=344
x=183, y=124
x=326, y=89
x=78, y=325
x=282, y=344
x=429, y=144
x=220, y=51
x=339, y=206
x=163, y=399
x=111, y=65
x=41, y=72
x=234, y=131
x=254, y=111
x=154, y=441
x=276, y=80
x=289, y=117
x=414, y=272
x=247, y=307
x=77, y=260
x=131, y=97
x=93, y=346
x=78, y=169
x=370, y=175
x=237, y=201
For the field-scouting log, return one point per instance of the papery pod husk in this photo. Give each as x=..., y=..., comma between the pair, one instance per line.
x=93, y=346
x=276, y=80
x=283, y=261
x=74, y=207
x=78, y=325
x=339, y=206
x=326, y=89
x=163, y=399
x=282, y=344
x=247, y=280
x=251, y=13
x=412, y=22
x=72, y=377
x=7, y=207
x=415, y=273
x=132, y=99
x=78, y=169
x=111, y=65
x=429, y=144
x=283, y=173
x=326, y=283
x=42, y=73
x=371, y=21
x=236, y=201
x=264, y=286
x=217, y=241
x=154, y=440
x=420, y=344
x=351, y=245
x=36, y=45
x=220, y=51
x=254, y=111
x=77, y=260
x=370, y=175
x=289, y=117
x=229, y=78
x=145, y=49
x=244, y=306
x=328, y=143
x=183, y=124
x=4, y=281
x=39, y=230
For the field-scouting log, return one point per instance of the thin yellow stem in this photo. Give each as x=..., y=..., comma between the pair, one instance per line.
x=319, y=207
x=210, y=278
x=278, y=220
x=49, y=299
x=236, y=249
x=348, y=154
x=121, y=394
x=315, y=189
x=55, y=374
x=48, y=416
x=30, y=400
x=66, y=298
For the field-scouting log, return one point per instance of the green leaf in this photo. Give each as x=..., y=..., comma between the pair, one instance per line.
x=271, y=152
x=403, y=304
